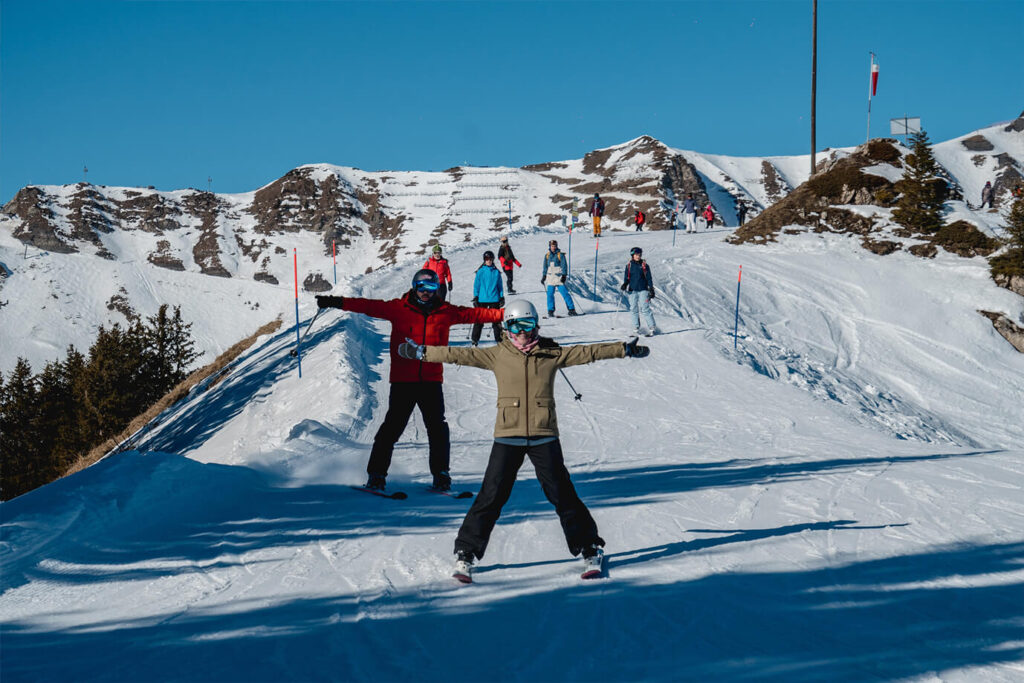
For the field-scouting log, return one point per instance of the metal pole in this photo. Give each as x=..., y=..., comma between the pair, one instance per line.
x=871, y=65
x=334, y=253
x=597, y=248
x=736, y=327
x=566, y=378
x=814, y=83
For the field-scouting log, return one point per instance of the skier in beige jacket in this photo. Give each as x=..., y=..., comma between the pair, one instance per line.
x=524, y=365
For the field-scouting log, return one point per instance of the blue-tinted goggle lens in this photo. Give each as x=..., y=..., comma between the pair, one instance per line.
x=522, y=325
x=426, y=286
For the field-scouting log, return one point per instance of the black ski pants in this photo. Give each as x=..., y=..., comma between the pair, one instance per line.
x=577, y=524
x=429, y=396
x=508, y=279
x=479, y=327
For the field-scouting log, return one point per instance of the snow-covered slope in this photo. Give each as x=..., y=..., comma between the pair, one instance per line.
x=838, y=498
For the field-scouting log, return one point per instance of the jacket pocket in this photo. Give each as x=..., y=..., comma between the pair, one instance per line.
x=509, y=413
x=542, y=415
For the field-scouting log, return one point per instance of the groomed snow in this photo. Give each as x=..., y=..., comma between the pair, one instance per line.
x=838, y=498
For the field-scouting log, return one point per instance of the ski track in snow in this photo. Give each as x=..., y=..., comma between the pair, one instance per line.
x=839, y=498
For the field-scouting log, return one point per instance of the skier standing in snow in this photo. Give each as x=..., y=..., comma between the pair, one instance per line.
x=553, y=277
x=986, y=194
x=524, y=365
x=507, y=260
x=741, y=212
x=639, y=287
x=422, y=316
x=640, y=219
x=439, y=264
x=709, y=216
x=690, y=213
x=597, y=210
x=487, y=293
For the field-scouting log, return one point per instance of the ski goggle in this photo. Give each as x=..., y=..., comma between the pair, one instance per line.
x=521, y=325
x=426, y=286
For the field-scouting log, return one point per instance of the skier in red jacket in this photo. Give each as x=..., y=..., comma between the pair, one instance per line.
x=420, y=315
x=439, y=264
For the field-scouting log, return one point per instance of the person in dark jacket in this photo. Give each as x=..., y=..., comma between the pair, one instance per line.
x=639, y=287
x=507, y=259
x=986, y=195
x=487, y=293
x=597, y=210
x=553, y=278
x=422, y=316
x=640, y=219
x=524, y=365
x=741, y=212
x=690, y=213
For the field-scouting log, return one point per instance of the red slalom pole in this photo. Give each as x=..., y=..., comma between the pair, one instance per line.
x=298, y=339
x=736, y=327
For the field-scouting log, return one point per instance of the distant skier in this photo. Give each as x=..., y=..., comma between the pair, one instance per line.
x=709, y=216
x=507, y=259
x=986, y=195
x=741, y=212
x=640, y=219
x=422, y=315
x=439, y=264
x=639, y=286
x=487, y=293
x=597, y=210
x=690, y=213
x=524, y=365
x=553, y=277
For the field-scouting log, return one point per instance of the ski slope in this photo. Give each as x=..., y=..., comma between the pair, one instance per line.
x=837, y=498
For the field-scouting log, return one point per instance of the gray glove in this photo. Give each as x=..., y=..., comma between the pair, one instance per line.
x=413, y=351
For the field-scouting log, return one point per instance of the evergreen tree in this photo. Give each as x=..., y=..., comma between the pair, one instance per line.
x=19, y=453
x=113, y=390
x=922, y=192
x=1015, y=225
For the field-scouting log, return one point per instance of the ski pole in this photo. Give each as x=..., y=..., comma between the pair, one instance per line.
x=298, y=340
x=293, y=353
x=578, y=395
x=736, y=327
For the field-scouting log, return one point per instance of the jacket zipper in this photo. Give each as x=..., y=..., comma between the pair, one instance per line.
x=526, y=394
x=424, y=343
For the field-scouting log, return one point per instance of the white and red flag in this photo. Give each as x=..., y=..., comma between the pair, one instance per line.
x=874, y=76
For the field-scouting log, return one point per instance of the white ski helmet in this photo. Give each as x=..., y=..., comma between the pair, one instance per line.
x=519, y=309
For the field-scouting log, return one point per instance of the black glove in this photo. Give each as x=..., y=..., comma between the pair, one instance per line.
x=542, y=282
x=624, y=285
x=451, y=286
x=501, y=302
x=635, y=351
x=650, y=293
x=475, y=304
x=563, y=279
x=327, y=301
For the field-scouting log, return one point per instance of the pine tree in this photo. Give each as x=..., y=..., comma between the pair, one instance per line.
x=922, y=192
x=19, y=453
x=1015, y=225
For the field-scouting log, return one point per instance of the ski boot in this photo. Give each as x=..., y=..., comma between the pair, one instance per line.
x=442, y=482
x=376, y=482
x=572, y=311
x=463, y=567
x=593, y=562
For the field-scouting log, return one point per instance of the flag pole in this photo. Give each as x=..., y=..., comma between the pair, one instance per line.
x=814, y=85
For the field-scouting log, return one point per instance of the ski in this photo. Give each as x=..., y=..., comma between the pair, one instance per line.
x=397, y=495
x=593, y=567
x=451, y=494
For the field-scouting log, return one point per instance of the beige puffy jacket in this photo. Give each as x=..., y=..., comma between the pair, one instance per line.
x=526, y=382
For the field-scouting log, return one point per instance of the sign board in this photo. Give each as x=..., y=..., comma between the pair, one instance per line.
x=905, y=125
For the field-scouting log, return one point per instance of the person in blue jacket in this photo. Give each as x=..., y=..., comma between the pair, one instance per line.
x=488, y=292
x=639, y=287
x=553, y=277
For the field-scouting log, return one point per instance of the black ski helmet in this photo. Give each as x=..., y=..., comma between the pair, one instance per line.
x=425, y=275
x=488, y=255
x=636, y=250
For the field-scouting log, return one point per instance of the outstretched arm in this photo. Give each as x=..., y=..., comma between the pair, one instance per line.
x=582, y=354
x=473, y=357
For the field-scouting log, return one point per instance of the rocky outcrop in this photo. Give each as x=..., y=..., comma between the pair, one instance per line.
x=1011, y=331
x=977, y=143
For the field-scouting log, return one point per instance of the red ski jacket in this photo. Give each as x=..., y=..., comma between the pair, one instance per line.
x=440, y=266
x=424, y=326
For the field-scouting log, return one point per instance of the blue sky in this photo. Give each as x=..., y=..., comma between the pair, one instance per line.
x=171, y=93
